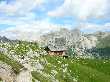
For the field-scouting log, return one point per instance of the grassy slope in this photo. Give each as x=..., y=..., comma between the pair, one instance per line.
x=14, y=64
x=85, y=70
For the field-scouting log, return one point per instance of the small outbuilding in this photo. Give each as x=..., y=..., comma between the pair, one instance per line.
x=57, y=47
x=56, y=50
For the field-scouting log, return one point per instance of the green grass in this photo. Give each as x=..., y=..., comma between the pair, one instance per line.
x=78, y=70
x=21, y=47
x=86, y=73
x=98, y=64
x=40, y=77
x=84, y=70
x=14, y=64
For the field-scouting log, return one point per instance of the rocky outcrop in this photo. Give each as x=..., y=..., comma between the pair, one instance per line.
x=4, y=39
x=87, y=42
x=24, y=76
x=6, y=73
x=71, y=36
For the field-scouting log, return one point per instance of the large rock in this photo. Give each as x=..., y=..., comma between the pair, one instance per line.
x=6, y=73
x=24, y=76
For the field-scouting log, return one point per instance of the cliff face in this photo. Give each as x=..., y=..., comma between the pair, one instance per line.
x=72, y=37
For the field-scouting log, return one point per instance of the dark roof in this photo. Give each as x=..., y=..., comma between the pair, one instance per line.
x=57, y=48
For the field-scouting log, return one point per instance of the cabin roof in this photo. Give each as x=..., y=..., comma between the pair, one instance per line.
x=56, y=48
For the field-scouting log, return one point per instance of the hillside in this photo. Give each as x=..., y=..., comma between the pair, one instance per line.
x=44, y=68
x=74, y=70
x=58, y=69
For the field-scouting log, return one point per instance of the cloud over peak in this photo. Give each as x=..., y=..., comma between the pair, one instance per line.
x=30, y=31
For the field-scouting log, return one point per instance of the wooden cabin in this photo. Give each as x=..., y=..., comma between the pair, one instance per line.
x=57, y=47
x=56, y=50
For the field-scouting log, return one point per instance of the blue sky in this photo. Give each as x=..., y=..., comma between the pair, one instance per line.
x=21, y=18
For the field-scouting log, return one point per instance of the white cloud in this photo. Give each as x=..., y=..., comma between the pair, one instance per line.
x=90, y=27
x=30, y=31
x=82, y=9
x=25, y=27
x=19, y=6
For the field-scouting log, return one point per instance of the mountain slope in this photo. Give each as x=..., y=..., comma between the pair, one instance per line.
x=102, y=48
x=74, y=70
x=45, y=68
